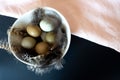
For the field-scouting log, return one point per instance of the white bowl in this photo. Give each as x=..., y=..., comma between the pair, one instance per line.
x=27, y=19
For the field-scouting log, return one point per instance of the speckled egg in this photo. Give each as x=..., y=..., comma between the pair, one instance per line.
x=48, y=24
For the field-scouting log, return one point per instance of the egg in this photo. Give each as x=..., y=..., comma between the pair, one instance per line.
x=28, y=42
x=42, y=48
x=50, y=37
x=43, y=36
x=33, y=30
x=48, y=24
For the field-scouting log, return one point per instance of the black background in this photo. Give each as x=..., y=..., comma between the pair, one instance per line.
x=84, y=60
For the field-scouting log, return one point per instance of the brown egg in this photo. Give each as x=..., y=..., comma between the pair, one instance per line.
x=33, y=30
x=28, y=42
x=50, y=37
x=42, y=48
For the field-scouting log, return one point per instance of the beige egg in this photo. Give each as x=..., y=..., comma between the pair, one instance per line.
x=42, y=48
x=33, y=30
x=43, y=35
x=28, y=42
x=50, y=37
